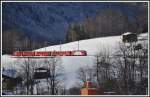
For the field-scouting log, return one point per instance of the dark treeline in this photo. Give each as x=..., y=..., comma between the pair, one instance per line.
x=109, y=22
x=15, y=40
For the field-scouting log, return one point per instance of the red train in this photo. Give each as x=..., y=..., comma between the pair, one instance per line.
x=50, y=53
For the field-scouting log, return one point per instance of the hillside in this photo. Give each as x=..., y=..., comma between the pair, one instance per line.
x=51, y=21
x=72, y=64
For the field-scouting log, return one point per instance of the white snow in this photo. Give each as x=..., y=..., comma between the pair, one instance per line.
x=8, y=61
x=127, y=33
x=90, y=45
x=73, y=63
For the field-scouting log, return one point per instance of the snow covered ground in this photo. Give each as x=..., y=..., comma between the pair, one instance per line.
x=73, y=63
x=90, y=45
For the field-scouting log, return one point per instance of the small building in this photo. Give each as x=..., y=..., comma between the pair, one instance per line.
x=41, y=73
x=10, y=80
x=88, y=89
x=129, y=37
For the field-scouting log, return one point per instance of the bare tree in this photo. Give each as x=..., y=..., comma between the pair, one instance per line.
x=106, y=71
x=55, y=74
x=85, y=73
x=132, y=60
x=142, y=68
x=27, y=67
x=82, y=75
x=127, y=69
x=102, y=66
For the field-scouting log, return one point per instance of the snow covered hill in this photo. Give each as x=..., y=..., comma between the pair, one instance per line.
x=73, y=63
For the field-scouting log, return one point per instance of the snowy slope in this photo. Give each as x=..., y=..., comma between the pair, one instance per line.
x=8, y=61
x=72, y=64
x=90, y=45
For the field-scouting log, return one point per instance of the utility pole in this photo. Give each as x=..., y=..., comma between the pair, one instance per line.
x=45, y=43
x=78, y=45
x=60, y=45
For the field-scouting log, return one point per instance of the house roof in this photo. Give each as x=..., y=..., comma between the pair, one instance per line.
x=127, y=33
